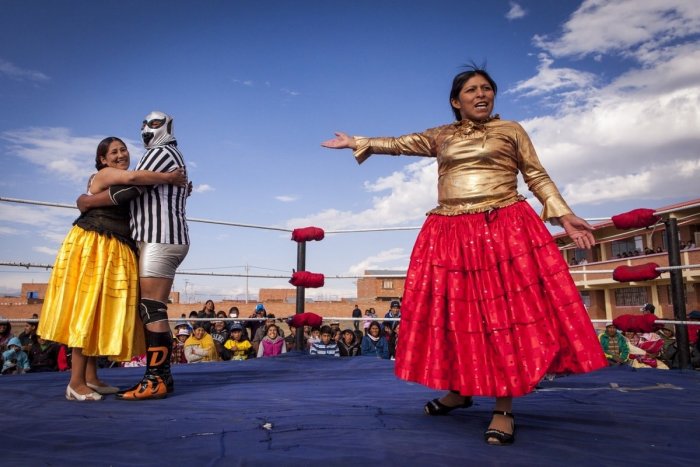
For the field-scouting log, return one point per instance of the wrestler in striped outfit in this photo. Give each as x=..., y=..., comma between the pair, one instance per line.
x=159, y=227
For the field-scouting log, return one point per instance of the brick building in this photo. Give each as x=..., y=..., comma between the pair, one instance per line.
x=606, y=298
x=381, y=285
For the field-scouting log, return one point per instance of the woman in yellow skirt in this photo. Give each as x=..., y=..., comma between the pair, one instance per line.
x=92, y=297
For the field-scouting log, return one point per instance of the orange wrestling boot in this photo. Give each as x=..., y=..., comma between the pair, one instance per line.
x=157, y=383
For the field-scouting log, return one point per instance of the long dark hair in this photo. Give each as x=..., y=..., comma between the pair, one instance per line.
x=461, y=78
x=102, y=149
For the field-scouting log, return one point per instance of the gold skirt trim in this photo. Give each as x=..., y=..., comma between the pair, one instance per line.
x=92, y=298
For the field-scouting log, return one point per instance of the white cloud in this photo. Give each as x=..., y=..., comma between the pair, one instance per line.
x=290, y=92
x=36, y=216
x=202, y=188
x=286, y=198
x=392, y=256
x=549, y=79
x=46, y=250
x=19, y=74
x=653, y=182
x=411, y=192
x=606, y=141
x=629, y=27
x=55, y=150
x=515, y=12
x=4, y=230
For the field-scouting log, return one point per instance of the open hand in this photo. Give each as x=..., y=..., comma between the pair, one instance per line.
x=341, y=141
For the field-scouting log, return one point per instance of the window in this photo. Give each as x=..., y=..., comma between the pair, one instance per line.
x=387, y=284
x=586, y=298
x=631, y=296
x=627, y=246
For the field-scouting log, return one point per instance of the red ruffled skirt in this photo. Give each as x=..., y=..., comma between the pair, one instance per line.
x=489, y=307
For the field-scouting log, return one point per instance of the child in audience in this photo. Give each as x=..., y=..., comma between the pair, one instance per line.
x=327, y=346
x=178, y=355
x=237, y=345
x=315, y=336
x=349, y=345
x=15, y=360
x=272, y=344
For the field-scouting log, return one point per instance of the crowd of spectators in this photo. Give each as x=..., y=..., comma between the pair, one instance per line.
x=29, y=353
x=207, y=338
x=657, y=349
x=207, y=335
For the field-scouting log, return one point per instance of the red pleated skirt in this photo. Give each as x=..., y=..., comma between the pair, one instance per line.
x=489, y=307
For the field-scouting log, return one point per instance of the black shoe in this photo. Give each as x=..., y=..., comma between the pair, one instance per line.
x=435, y=407
x=500, y=438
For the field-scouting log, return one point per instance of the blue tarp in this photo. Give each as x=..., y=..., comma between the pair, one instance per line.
x=302, y=410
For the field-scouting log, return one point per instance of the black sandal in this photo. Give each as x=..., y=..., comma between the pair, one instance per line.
x=502, y=437
x=435, y=407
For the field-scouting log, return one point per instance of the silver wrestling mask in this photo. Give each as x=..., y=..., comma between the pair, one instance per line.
x=157, y=129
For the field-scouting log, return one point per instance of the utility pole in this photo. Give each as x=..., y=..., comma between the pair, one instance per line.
x=247, y=269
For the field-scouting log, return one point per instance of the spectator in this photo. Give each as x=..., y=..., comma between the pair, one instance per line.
x=326, y=346
x=644, y=353
x=238, y=345
x=207, y=312
x=374, y=344
x=337, y=335
x=178, y=354
x=335, y=326
x=199, y=347
x=5, y=334
x=233, y=312
x=614, y=345
x=15, y=360
x=43, y=356
x=314, y=337
x=387, y=330
x=356, y=313
x=65, y=358
x=272, y=344
x=394, y=313
x=393, y=342
x=182, y=324
x=659, y=249
x=291, y=339
x=219, y=335
x=648, y=308
x=349, y=345
x=260, y=313
x=28, y=336
x=262, y=331
x=370, y=315
x=194, y=314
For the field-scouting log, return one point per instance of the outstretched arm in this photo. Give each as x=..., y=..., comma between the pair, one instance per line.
x=341, y=141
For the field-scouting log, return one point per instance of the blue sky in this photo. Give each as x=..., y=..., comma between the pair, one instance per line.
x=608, y=90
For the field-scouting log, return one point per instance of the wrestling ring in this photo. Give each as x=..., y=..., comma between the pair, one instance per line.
x=298, y=409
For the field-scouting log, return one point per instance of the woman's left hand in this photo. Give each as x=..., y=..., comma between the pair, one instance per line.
x=578, y=230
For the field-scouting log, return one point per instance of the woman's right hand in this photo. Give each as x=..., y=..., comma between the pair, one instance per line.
x=178, y=177
x=341, y=141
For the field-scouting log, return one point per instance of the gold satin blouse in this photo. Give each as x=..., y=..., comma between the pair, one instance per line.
x=478, y=164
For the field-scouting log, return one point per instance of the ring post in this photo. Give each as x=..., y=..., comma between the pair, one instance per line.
x=677, y=293
x=301, y=266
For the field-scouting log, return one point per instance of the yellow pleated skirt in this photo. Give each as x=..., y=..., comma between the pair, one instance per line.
x=92, y=298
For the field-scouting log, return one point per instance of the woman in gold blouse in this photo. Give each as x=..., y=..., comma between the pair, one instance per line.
x=489, y=306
